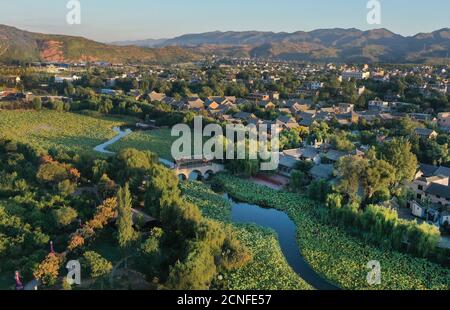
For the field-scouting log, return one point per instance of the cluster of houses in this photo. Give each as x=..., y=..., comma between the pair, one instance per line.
x=296, y=113
x=213, y=105
x=431, y=187
x=322, y=157
x=27, y=97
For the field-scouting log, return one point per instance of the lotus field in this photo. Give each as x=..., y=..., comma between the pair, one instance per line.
x=339, y=257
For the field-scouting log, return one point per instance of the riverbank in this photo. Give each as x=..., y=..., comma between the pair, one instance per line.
x=330, y=251
x=278, y=221
x=269, y=269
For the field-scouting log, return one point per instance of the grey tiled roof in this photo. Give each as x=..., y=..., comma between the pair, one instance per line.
x=428, y=170
x=322, y=171
x=423, y=131
x=442, y=171
x=288, y=161
x=439, y=190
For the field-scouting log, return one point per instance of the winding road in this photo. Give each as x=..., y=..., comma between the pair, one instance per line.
x=120, y=135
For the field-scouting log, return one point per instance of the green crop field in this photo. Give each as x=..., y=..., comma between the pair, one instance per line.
x=51, y=129
x=156, y=141
x=79, y=132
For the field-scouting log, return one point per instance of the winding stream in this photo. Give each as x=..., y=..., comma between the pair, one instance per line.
x=280, y=222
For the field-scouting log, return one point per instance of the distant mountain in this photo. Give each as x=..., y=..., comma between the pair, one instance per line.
x=142, y=43
x=347, y=45
x=322, y=45
x=22, y=46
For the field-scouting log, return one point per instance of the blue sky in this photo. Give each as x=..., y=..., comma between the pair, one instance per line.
x=109, y=20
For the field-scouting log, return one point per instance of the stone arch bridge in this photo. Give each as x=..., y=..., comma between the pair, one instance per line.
x=194, y=170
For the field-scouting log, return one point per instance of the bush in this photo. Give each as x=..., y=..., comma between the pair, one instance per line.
x=318, y=190
x=96, y=265
x=65, y=216
x=37, y=103
x=217, y=187
x=234, y=254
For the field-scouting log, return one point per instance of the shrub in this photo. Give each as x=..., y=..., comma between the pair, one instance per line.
x=65, y=216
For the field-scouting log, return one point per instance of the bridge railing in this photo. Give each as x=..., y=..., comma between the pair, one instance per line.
x=196, y=165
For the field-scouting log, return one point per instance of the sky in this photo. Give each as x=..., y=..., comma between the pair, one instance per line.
x=115, y=20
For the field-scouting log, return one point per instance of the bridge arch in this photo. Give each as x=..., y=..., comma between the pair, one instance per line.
x=182, y=177
x=208, y=174
x=195, y=175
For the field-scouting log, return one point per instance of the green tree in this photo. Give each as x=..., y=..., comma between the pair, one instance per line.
x=398, y=153
x=196, y=272
x=105, y=106
x=351, y=170
x=319, y=190
x=97, y=266
x=132, y=166
x=52, y=172
x=106, y=186
x=125, y=231
x=341, y=142
x=65, y=216
x=378, y=176
x=290, y=139
x=334, y=201
x=299, y=179
x=162, y=190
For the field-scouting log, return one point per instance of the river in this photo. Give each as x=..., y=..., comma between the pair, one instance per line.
x=243, y=213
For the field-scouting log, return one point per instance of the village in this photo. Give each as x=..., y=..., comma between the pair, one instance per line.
x=300, y=111
x=362, y=148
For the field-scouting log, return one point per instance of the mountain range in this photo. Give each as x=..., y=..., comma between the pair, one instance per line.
x=346, y=45
x=22, y=46
x=323, y=45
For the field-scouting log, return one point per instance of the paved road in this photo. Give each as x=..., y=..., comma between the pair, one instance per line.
x=120, y=134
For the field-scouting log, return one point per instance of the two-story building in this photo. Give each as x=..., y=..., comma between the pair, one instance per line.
x=432, y=183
